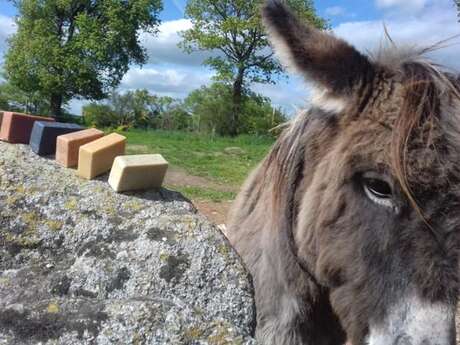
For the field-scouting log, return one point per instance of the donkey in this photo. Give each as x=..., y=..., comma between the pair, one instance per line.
x=350, y=227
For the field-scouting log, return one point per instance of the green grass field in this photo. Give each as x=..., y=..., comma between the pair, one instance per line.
x=204, y=156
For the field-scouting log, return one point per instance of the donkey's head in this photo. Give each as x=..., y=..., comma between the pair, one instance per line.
x=371, y=177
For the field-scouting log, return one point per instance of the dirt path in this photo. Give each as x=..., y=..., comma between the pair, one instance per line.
x=215, y=211
x=179, y=177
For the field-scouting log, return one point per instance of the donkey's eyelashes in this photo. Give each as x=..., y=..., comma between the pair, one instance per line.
x=377, y=190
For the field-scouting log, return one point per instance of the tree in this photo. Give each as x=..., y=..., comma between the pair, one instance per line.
x=169, y=113
x=77, y=48
x=4, y=104
x=100, y=115
x=458, y=6
x=139, y=109
x=210, y=107
x=233, y=29
x=259, y=116
x=14, y=99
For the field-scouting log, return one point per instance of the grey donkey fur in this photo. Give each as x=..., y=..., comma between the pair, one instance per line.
x=350, y=226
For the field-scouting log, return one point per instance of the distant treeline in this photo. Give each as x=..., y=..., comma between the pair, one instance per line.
x=208, y=109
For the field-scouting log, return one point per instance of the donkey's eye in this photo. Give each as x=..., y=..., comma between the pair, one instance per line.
x=378, y=191
x=379, y=188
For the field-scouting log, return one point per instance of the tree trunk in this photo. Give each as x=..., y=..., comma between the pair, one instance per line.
x=56, y=106
x=237, y=97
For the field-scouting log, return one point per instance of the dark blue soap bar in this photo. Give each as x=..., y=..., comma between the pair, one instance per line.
x=44, y=134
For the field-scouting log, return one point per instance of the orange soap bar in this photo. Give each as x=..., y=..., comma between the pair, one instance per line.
x=96, y=157
x=67, y=145
x=137, y=172
x=16, y=127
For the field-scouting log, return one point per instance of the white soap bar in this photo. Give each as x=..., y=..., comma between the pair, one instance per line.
x=136, y=172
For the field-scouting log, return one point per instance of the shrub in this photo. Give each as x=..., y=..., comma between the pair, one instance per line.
x=100, y=115
x=211, y=109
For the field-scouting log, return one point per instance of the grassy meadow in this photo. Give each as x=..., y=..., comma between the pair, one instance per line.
x=221, y=163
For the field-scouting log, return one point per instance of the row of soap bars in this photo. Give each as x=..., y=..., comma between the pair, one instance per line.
x=92, y=152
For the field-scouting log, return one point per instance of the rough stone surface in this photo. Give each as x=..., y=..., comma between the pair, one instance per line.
x=80, y=264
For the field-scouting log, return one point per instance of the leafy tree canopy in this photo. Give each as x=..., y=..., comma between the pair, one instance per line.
x=77, y=48
x=233, y=29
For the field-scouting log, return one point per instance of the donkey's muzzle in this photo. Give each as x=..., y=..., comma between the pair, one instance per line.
x=413, y=321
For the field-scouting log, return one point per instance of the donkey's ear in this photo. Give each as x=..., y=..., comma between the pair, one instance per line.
x=320, y=57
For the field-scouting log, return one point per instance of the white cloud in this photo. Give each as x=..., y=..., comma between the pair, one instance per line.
x=162, y=48
x=290, y=95
x=174, y=82
x=335, y=11
x=436, y=23
x=406, y=5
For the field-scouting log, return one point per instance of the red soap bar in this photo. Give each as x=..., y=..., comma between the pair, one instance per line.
x=16, y=128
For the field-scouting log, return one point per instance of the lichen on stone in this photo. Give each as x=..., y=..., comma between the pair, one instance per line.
x=71, y=204
x=223, y=335
x=53, y=225
x=53, y=308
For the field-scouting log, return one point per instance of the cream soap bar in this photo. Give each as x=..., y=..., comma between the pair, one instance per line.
x=136, y=172
x=67, y=145
x=96, y=157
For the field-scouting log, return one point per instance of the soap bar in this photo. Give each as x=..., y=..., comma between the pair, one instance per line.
x=96, y=158
x=16, y=127
x=44, y=134
x=137, y=172
x=67, y=145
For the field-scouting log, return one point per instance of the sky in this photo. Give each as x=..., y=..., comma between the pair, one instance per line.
x=171, y=72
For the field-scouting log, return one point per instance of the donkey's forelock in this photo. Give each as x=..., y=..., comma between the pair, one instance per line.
x=430, y=107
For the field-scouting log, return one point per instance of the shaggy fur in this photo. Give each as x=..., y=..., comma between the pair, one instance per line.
x=327, y=261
